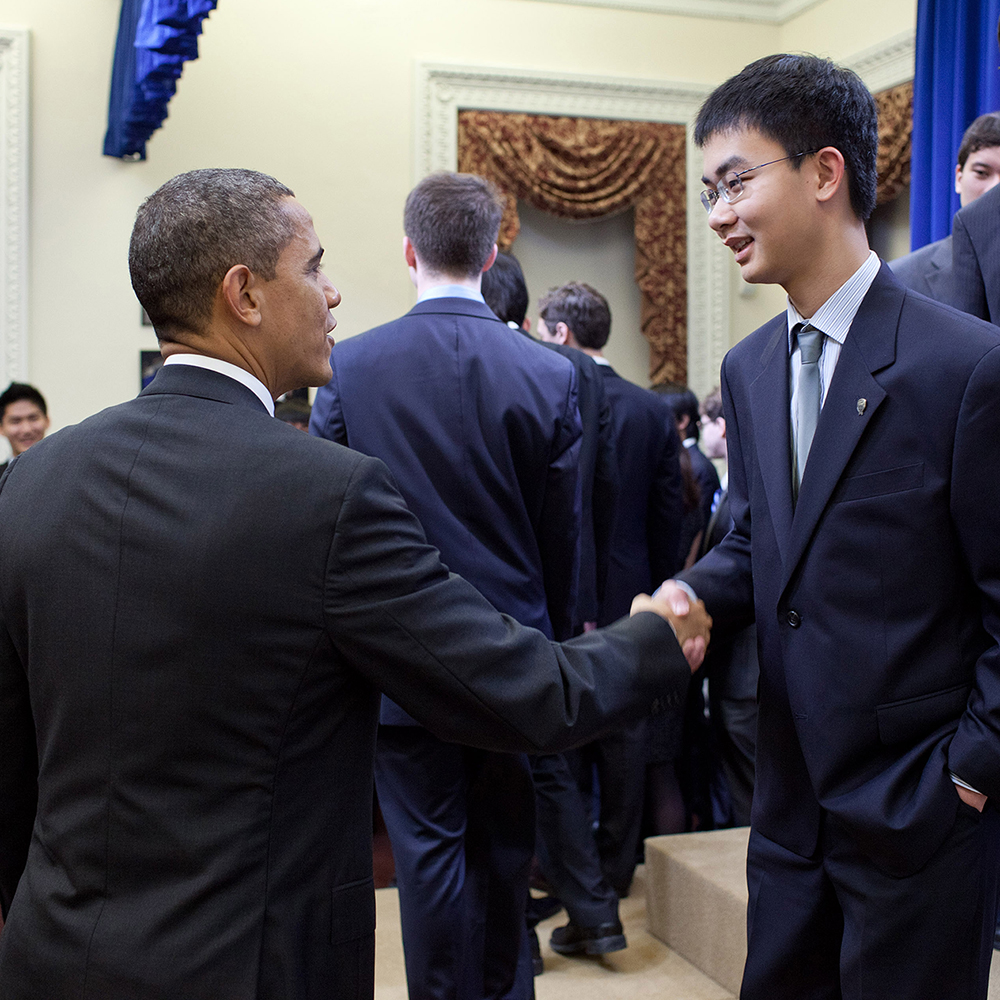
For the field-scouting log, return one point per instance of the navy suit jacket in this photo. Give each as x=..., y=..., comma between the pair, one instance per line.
x=646, y=534
x=928, y=271
x=976, y=257
x=481, y=430
x=878, y=595
x=198, y=606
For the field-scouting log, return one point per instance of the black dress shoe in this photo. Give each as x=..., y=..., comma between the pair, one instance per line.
x=599, y=940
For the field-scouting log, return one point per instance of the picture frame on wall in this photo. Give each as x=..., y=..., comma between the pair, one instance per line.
x=150, y=363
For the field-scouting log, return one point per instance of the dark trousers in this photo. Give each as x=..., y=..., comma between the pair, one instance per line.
x=836, y=927
x=461, y=822
x=619, y=762
x=565, y=846
x=734, y=723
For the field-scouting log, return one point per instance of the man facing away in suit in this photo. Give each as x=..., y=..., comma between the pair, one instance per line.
x=929, y=270
x=644, y=541
x=863, y=430
x=481, y=430
x=198, y=607
x=565, y=846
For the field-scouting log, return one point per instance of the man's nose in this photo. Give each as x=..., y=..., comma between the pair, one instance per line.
x=722, y=215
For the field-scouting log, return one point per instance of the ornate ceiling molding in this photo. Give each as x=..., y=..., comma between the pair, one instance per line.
x=768, y=11
x=13, y=204
x=887, y=64
x=443, y=90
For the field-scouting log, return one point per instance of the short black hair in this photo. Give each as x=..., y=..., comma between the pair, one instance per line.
x=505, y=290
x=582, y=308
x=192, y=230
x=453, y=220
x=711, y=405
x=17, y=391
x=983, y=133
x=803, y=103
x=683, y=402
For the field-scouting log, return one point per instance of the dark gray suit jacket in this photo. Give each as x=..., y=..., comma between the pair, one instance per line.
x=198, y=608
x=928, y=271
x=976, y=254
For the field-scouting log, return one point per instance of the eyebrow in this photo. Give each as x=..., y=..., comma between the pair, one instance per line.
x=725, y=167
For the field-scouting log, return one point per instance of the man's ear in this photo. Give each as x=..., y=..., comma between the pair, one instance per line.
x=831, y=172
x=958, y=179
x=526, y=324
x=241, y=295
x=491, y=260
x=722, y=424
x=562, y=333
x=409, y=254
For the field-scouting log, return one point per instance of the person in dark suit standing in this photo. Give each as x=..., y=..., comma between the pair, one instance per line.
x=565, y=844
x=976, y=249
x=929, y=270
x=198, y=607
x=481, y=429
x=644, y=542
x=863, y=427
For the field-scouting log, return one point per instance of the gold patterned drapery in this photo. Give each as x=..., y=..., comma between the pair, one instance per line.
x=586, y=168
x=895, y=132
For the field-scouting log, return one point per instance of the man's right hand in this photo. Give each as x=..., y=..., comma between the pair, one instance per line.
x=691, y=623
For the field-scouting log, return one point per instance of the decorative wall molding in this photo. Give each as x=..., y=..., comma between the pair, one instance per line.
x=887, y=64
x=443, y=90
x=768, y=11
x=13, y=204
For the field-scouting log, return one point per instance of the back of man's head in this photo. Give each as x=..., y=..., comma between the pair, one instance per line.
x=711, y=405
x=803, y=103
x=18, y=391
x=505, y=291
x=453, y=220
x=584, y=311
x=683, y=403
x=192, y=230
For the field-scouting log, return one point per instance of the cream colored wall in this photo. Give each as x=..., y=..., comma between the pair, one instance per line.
x=321, y=95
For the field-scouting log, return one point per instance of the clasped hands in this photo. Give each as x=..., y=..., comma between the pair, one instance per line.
x=691, y=623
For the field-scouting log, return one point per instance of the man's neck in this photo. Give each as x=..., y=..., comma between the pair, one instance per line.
x=832, y=268
x=425, y=281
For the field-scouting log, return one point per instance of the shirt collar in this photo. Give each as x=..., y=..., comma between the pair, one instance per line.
x=241, y=375
x=835, y=316
x=452, y=292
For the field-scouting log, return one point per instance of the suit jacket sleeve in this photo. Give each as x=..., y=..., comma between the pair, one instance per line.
x=974, y=754
x=605, y=493
x=562, y=517
x=969, y=288
x=723, y=578
x=666, y=512
x=327, y=418
x=18, y=769
x=469, y=674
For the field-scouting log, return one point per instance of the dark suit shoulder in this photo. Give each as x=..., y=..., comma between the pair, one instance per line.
x=914, y=268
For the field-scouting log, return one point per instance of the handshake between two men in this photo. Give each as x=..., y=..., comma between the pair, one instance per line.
x=691, y=623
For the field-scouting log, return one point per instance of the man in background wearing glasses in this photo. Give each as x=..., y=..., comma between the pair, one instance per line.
x=863, y=428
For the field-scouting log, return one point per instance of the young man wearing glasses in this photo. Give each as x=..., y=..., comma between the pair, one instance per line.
x=863, y=427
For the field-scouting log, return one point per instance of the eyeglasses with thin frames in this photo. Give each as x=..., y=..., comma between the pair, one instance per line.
x=731, y=186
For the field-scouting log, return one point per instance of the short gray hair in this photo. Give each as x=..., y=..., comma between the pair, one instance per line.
x=192, y=230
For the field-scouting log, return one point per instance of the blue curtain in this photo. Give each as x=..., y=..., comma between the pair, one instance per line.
x=957, y=79
x=155, y=39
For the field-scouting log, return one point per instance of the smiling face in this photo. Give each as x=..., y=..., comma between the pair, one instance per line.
x=768, y=227
x=297, y=304
x=23, y=424
x=980, y=172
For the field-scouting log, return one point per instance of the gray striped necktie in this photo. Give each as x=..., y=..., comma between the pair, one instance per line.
x=807, y=407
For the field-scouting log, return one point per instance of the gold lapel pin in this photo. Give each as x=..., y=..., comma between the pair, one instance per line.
x=862, y=403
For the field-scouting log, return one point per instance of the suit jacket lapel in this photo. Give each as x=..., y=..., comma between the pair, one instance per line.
x=939, y=280
x=772, y=431
x=869, y=347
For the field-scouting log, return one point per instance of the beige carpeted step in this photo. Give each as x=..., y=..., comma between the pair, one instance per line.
x=696, y=899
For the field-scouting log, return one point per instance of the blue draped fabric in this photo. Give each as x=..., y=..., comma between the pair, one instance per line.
x=155, y=39
x=956, y=80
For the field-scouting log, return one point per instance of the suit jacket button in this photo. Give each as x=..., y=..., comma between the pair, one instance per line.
x=793, y=619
